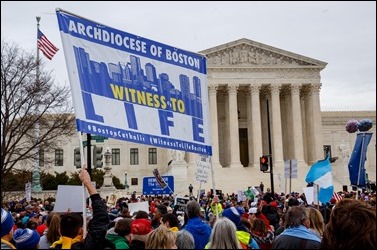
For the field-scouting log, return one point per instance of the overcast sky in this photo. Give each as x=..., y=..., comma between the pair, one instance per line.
x=343, y=34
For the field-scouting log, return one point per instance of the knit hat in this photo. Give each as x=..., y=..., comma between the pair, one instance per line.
x=233, y=215
x=7, y=222
x=141, y=226
x=26, y=238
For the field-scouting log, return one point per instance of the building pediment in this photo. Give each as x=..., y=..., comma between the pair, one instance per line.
x=248, y=53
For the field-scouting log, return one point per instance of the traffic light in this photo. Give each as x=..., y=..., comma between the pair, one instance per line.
x=264, y=163
x=97, y=157
x=77, y=158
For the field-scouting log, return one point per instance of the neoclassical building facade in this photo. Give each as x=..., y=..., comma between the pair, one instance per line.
x=262, y=100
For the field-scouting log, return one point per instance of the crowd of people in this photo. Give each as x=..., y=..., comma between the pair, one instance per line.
x=269, y=221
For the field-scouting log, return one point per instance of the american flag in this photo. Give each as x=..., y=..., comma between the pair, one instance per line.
x=47, y=48
x=337, y=196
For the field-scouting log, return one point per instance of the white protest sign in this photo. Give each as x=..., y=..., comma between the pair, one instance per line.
x=203, y=168
x=69, y=197
x=309, y=194
x=134, y=207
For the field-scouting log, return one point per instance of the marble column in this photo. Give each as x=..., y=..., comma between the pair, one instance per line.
x=314, y=125
x=212, y=95
x=303, y=122
x=317, y=122
x=233, y=127
x=254, y=126
x=298, y=146
x=277, y=142
x=277, y=138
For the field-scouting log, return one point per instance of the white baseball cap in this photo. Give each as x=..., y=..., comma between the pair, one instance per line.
x=253, y=210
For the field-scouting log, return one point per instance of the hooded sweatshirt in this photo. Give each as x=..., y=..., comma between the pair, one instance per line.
x=200, y=230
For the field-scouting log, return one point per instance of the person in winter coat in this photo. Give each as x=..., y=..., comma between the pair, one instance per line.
x=119, y=235
x=199, y=229
x=297, y=234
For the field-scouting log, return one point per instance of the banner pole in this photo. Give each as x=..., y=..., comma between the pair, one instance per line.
x=171, y=191
x=317, y=186
x=213, y=186
x=84, y=196
x=290, y=175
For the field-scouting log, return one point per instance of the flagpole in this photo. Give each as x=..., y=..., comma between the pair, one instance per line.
x=359, y=174
x=171, y=191
x=38, y=19
x=361, y=159
x=290, y=175
x=36, y=186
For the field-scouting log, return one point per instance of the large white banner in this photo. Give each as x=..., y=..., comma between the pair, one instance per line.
x=131, y=88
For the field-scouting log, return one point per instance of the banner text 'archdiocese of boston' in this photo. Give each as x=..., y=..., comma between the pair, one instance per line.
x=131, y=88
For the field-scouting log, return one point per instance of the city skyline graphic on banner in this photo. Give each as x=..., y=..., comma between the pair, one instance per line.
x=130, y=83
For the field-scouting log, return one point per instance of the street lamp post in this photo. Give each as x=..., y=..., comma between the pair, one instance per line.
x=126, y=186
x=108, y=178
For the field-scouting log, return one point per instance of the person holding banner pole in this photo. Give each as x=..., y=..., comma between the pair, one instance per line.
x=71, y=224
x=82, y=161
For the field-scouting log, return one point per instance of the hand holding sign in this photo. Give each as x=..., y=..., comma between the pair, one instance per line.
x=85, y=179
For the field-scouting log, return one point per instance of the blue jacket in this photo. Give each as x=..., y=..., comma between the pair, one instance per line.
x=296, y=238
x=200, y=230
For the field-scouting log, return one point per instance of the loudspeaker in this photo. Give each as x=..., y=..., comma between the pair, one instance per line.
x=345, y=188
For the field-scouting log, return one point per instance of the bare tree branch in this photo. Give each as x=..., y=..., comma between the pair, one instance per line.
x=27, y=105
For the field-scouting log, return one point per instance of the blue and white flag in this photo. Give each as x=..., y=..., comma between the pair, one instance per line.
x=356, y=164
x=320, y=173
x=131, y=88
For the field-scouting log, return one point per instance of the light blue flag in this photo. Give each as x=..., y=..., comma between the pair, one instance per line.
x=321, y=174
x=356, y=164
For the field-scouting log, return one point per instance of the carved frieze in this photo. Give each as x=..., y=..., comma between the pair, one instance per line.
x=247, y=55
